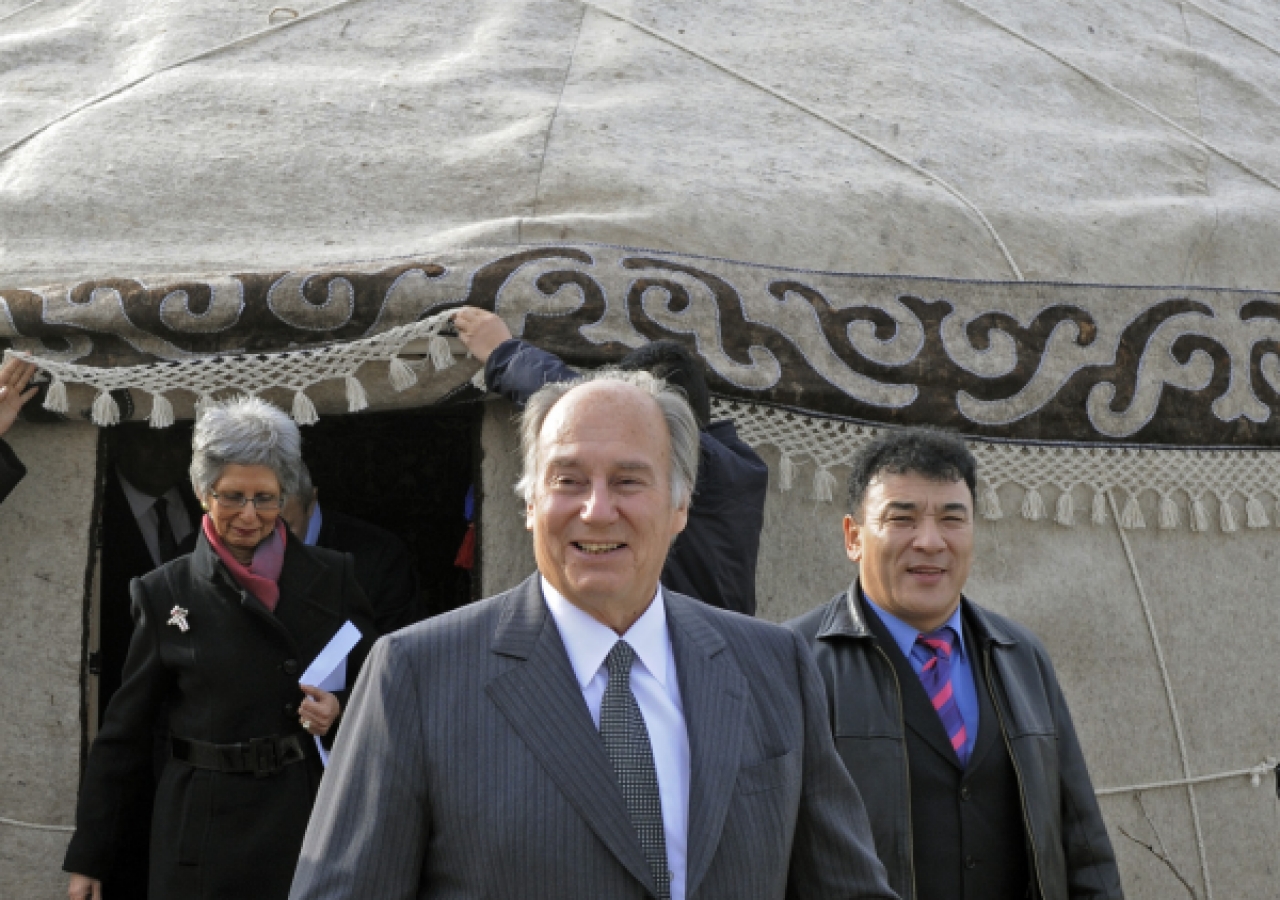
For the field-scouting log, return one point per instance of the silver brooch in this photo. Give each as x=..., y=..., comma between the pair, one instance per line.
x=178, y=616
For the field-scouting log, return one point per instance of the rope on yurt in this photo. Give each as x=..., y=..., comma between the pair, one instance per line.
x=34, y=827
x=1129, y=98
x=1168, y=693
x=203, y=54
x=20, y=10
x=821, y=116
x=1254, y=773
x=1231, y=25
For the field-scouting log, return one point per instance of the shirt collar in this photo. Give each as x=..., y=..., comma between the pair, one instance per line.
x=314, y=524
x=905, y=635
x=588, y=641
x=139, y=503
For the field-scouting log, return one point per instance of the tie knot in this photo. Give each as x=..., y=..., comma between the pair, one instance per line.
x=619, y=661
x=938, y=643
x=161, y=506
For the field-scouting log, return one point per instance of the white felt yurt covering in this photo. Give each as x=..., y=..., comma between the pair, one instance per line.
x=1017, y=186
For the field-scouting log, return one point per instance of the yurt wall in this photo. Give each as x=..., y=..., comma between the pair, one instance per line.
x=45, y=531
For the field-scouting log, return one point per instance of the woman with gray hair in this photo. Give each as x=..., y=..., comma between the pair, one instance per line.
x=221, y=638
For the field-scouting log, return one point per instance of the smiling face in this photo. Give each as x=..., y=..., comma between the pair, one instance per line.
x=914, y=546
x=601, y=513
x=242, y=530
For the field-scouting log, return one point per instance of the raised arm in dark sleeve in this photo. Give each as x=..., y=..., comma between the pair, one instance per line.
x=516, y=370
x=11, y=470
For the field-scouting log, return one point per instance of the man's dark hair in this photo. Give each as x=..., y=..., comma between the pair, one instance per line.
x=677, y=366
x=937, y=455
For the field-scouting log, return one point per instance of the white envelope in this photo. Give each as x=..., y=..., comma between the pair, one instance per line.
x=329, y=670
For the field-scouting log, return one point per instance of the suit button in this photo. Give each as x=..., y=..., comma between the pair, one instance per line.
x=290, y=709
x=290, y=667
x=970, y=862
x=964, y=793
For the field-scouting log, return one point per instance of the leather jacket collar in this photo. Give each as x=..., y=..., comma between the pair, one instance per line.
x=846, y=620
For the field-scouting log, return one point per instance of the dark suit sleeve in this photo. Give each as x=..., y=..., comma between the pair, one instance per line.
x=833, y=854
x=516, y=370
x=120, y=763
x=397, y=580
x=11, y=470
x=370, y=826
x=1092, y=873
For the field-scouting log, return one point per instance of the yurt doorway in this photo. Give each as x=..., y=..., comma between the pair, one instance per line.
x=406, y=472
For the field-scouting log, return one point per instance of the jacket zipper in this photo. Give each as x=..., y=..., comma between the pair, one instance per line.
x=906, y=758
x=1017, y=771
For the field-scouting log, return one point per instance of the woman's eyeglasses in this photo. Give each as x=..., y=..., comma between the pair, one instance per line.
x=261, y=502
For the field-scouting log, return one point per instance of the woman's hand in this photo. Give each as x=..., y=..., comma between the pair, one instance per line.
x=318, y=712
x=15, y=375
x=83, y=887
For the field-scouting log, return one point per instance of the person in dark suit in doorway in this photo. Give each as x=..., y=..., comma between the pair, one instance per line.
x=948, y=716
x=384, y=567
x=15, y=375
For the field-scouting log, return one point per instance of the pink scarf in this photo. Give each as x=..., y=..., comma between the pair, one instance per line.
x=261, y=577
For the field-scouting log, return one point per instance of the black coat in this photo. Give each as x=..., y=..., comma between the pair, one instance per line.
x=231, y=678
x=1071, y=855
x=11, y=470
x=714, y=558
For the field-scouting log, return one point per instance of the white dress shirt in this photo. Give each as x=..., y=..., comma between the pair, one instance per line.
x=144, y=512
x=657, y=692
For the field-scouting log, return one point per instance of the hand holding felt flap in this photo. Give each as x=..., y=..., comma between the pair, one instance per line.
x=329, y=670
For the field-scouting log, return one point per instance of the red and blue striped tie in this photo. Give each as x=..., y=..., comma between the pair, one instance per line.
x=934, y=649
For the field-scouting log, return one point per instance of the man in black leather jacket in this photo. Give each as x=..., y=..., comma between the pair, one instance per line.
x=948, y=716
x=714, y=558
x=15, y=375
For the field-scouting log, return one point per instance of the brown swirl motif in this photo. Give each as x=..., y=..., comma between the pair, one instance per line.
x=1057, y=362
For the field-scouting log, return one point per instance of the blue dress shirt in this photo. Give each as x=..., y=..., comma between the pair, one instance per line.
x=966, y=693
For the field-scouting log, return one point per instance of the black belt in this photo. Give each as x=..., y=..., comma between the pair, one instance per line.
x=261, y=756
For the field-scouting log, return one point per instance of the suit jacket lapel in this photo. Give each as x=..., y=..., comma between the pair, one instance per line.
x=543, y=702
x=714, y=693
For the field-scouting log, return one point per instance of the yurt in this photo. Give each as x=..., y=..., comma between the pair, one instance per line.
x=1049, y=226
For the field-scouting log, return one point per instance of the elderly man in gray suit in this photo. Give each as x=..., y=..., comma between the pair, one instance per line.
x=588, y=734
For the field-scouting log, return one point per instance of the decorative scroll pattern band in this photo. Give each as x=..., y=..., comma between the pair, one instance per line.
x=1043, y=362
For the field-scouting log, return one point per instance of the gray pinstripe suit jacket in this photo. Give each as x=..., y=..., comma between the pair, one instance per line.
x=468, y=767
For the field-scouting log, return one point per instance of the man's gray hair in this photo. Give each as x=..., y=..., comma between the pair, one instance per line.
x=682, y=427
x=244, y=431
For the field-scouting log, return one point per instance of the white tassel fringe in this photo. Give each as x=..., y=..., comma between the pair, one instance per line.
x=105, y=410
x=357, y=399
x=989, y=504
x=1099, y=515
x=441, y=355
x=402, y=377
x=1227, y=517
x=161, y=411
x=824, y=485
x=786, y=473
x=1033, y=505
x=304, y=411
x=1131, y=516
x=1199, y=515
x=1255, y=513
x=1169, y=517
x=56, y=399
x=1065, y=513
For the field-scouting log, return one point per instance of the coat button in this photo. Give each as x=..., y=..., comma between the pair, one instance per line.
x=290, y=667
x=290, y=709
x=964, y=793
x=970, y=862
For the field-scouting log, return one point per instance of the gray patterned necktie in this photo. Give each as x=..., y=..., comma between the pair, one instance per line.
x=626, y=742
